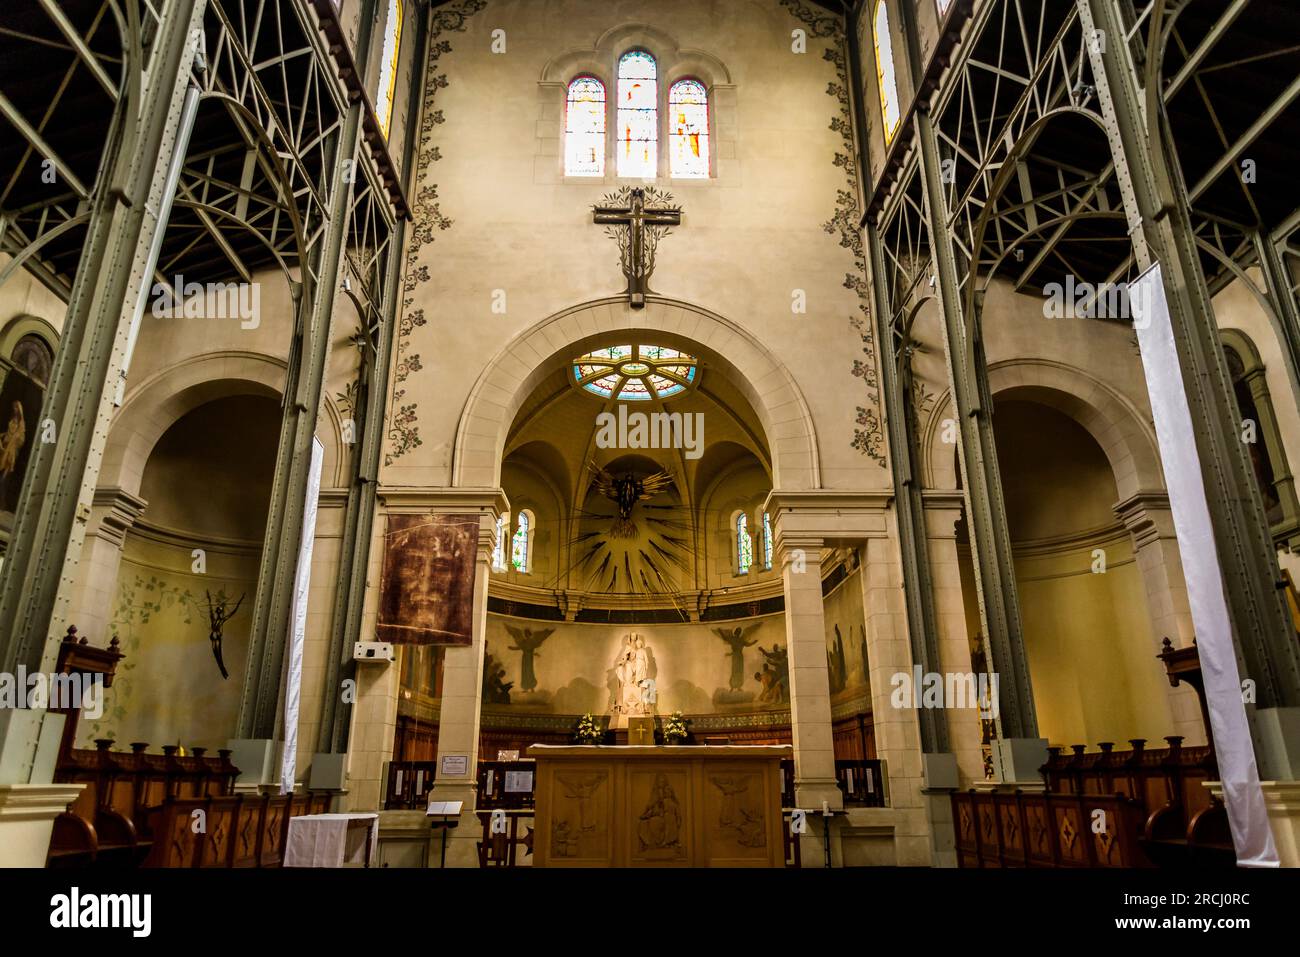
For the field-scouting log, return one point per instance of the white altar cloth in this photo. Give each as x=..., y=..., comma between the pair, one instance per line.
x=331, y=840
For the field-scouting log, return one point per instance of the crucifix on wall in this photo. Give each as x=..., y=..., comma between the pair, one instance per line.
x=637, y=218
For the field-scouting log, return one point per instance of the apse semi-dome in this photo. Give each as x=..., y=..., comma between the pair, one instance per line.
x=636, y=372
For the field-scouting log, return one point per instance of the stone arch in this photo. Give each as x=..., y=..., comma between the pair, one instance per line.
x=1122, y=431
x=26, y=324
x=537, y=352
x=674, y=60
x=154, y=404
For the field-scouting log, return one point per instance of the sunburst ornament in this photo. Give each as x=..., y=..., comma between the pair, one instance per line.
x=627, y=543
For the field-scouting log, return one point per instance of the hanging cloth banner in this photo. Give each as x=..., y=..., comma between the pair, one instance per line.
x=1176, y=435
x=298, y=621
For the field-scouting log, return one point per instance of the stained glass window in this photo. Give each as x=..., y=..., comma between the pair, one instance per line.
x=885, y=77
x=638, y=115
x=688, y=129
x=767, y=541
x=499, y=550
x=635, y=373
x=744, y=545
x=520, y=543
x=388, y=65
x=584, y=128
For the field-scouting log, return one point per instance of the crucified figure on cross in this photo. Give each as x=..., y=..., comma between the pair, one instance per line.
x=220, y=612
x=646, y=217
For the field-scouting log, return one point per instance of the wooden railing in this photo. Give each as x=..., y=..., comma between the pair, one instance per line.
x=862, y=782
x=501, y=784
x=1181, y=823
x=506, y=784
x=508, y=849
x=1107, y=808
x=1047, y=830
x=138, y=808
x=409, y=784
x=240, y=830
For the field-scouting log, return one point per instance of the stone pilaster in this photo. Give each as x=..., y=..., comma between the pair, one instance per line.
x=942, y=511
x=113, y=512
x=810, y=694
x=374, y=716
x=27, y=813
x=803, y=521
x=1150, y=523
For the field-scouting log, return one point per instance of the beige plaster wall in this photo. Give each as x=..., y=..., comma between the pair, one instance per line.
x=750, y=237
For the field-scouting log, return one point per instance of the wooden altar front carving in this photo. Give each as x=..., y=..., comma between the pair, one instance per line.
x=658, y=806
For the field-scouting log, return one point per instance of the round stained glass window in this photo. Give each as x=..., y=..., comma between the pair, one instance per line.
x=636, y=372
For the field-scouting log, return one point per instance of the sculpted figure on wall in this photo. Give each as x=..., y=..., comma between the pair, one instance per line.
x=632, y=671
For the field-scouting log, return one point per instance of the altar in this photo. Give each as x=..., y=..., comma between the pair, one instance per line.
x=648, y=806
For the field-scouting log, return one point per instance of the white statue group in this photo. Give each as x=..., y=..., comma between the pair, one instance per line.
x=636, y=689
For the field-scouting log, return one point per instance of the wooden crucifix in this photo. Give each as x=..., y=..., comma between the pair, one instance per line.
x=645, y=216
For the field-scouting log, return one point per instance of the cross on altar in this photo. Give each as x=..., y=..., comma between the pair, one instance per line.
x=646, y=219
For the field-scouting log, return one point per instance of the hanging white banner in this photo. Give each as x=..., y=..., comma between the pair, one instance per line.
x=298, y=621
x=1176, y=434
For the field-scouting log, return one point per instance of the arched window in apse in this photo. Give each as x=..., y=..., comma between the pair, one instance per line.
x=688, y=129
x=388, y=66
x=638, y=115
x=584, y=128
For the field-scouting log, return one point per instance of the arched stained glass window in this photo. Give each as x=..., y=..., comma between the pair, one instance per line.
x=521, y=544
x=388, y=65
x=33, y=356
x=885, y=76
x=499, y=550
x=767, y=542
x=1259, y=430
x=638, y=115
x=744, y=545
x=688, y=129
x=635, y=372
x=584, y=128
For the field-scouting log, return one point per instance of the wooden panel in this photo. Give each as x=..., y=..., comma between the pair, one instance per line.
x=658, y=807
x=739, y=824
x=579, y=798
x=661, y=814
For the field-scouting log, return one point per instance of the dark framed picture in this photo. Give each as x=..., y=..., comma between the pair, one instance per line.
x=426, y=592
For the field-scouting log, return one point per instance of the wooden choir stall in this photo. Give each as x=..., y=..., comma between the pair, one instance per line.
x=648, y=806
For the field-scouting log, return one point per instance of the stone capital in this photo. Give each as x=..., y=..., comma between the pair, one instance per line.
x=829, y=515
x=489, y=503
x=1147, y=517
x=114, y=511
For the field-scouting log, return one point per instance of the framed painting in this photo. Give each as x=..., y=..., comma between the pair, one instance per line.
x=426, y=592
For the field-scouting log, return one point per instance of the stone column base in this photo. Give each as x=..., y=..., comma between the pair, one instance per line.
x=462, y=840
x=1282, y=801
x=1018, y=759
x=27, y=813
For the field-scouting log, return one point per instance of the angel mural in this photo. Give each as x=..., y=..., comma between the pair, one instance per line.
x=528, y=641
x=735, y=639
x=775, y=676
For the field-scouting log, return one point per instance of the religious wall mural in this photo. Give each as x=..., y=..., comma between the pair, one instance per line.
x=846, y=640
x=571, y=668
x=20, y=412
x=426, y=593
